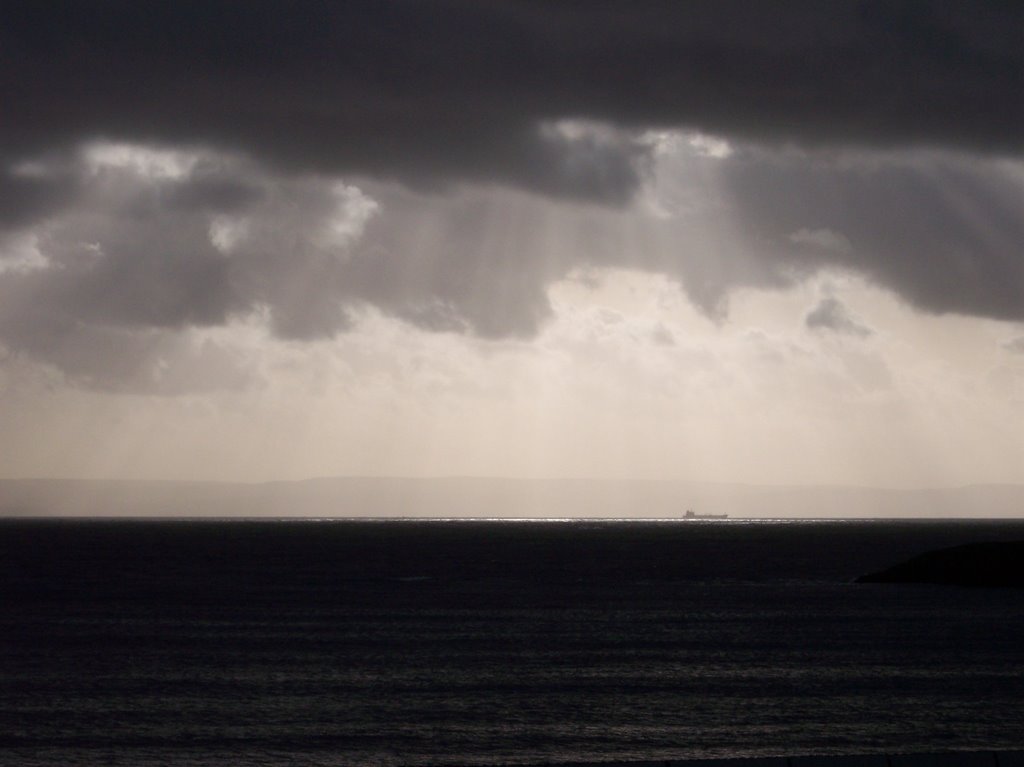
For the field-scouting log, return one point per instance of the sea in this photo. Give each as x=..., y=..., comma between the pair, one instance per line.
x=494, y=642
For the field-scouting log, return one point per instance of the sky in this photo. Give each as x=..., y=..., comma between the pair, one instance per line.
x=726, y=241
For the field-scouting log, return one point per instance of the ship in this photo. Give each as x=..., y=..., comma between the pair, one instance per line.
x=694, y=515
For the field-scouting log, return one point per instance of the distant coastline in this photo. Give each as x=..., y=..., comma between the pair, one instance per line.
x=469, y=497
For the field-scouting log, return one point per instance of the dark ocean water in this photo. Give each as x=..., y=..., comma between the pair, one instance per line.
x=402, y=643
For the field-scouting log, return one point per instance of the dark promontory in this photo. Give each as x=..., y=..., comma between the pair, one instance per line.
x=973, y=564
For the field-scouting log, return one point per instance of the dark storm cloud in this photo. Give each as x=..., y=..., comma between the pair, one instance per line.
x=141, y=258
x=462, y=89
x=943, y=232
x=25, y=196
x=868, y=136
x=831, y=314
x=138, y=361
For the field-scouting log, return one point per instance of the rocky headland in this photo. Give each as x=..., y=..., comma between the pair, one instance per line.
x=974, y=564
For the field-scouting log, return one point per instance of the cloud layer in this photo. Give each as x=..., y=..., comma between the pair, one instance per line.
x=152, y=244
x=167, y=169
x=462, y=89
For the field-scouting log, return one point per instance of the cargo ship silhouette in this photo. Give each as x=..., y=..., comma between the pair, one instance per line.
x=693, y=515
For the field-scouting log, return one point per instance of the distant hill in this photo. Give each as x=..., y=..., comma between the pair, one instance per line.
x=483, y=497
